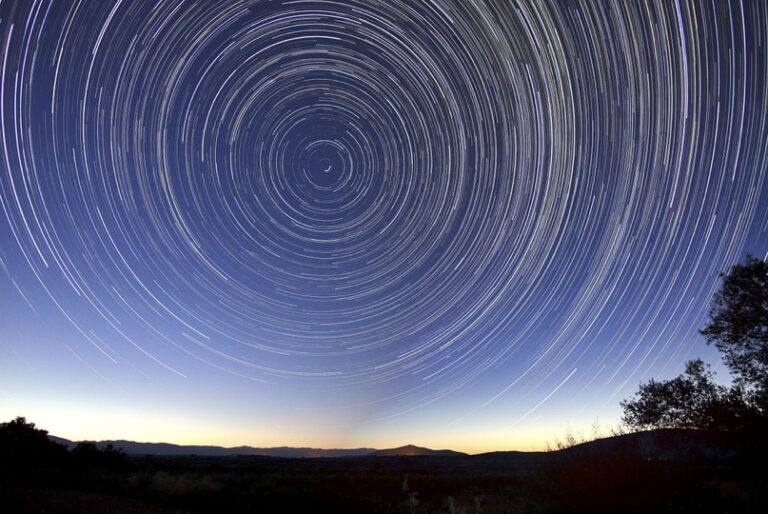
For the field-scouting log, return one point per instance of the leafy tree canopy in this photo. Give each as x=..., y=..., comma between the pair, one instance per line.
x=683, y=402
x=738, y=326
x=738, y=323
x=22, y=441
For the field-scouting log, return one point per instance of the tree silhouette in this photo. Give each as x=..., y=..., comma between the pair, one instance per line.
x=687, y=401
x=24, y=447
x=738, y=326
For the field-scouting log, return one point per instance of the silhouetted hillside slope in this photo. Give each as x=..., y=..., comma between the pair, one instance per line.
x=661, y=444
x=60, y=440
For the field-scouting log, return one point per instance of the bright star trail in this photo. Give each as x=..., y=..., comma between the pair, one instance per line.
x=360, y=221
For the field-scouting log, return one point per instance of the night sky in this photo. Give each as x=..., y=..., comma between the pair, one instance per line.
x=468, y=224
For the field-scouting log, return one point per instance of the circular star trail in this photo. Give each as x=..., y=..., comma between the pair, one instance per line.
x=354, y=194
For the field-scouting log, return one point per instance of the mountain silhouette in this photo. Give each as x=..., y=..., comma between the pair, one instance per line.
x=139, y=448
x=654, y=444
x=412, y=451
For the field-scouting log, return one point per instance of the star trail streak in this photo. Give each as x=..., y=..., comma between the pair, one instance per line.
x=385, y=206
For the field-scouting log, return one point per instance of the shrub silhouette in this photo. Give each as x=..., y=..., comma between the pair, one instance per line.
x=87, y=455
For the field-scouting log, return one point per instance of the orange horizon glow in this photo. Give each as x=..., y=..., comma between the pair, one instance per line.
x=115, y=426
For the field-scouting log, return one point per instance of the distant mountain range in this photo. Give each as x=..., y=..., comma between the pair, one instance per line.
x=655, y=444
x=134, y=448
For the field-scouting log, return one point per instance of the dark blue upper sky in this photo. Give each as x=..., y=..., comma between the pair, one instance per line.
x=360, y=222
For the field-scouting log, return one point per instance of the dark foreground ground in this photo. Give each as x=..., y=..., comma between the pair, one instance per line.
x=670, y=472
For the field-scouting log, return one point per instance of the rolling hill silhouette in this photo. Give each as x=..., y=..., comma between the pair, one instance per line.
x=410, y=450
x=658, y=444
x=169, y=449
